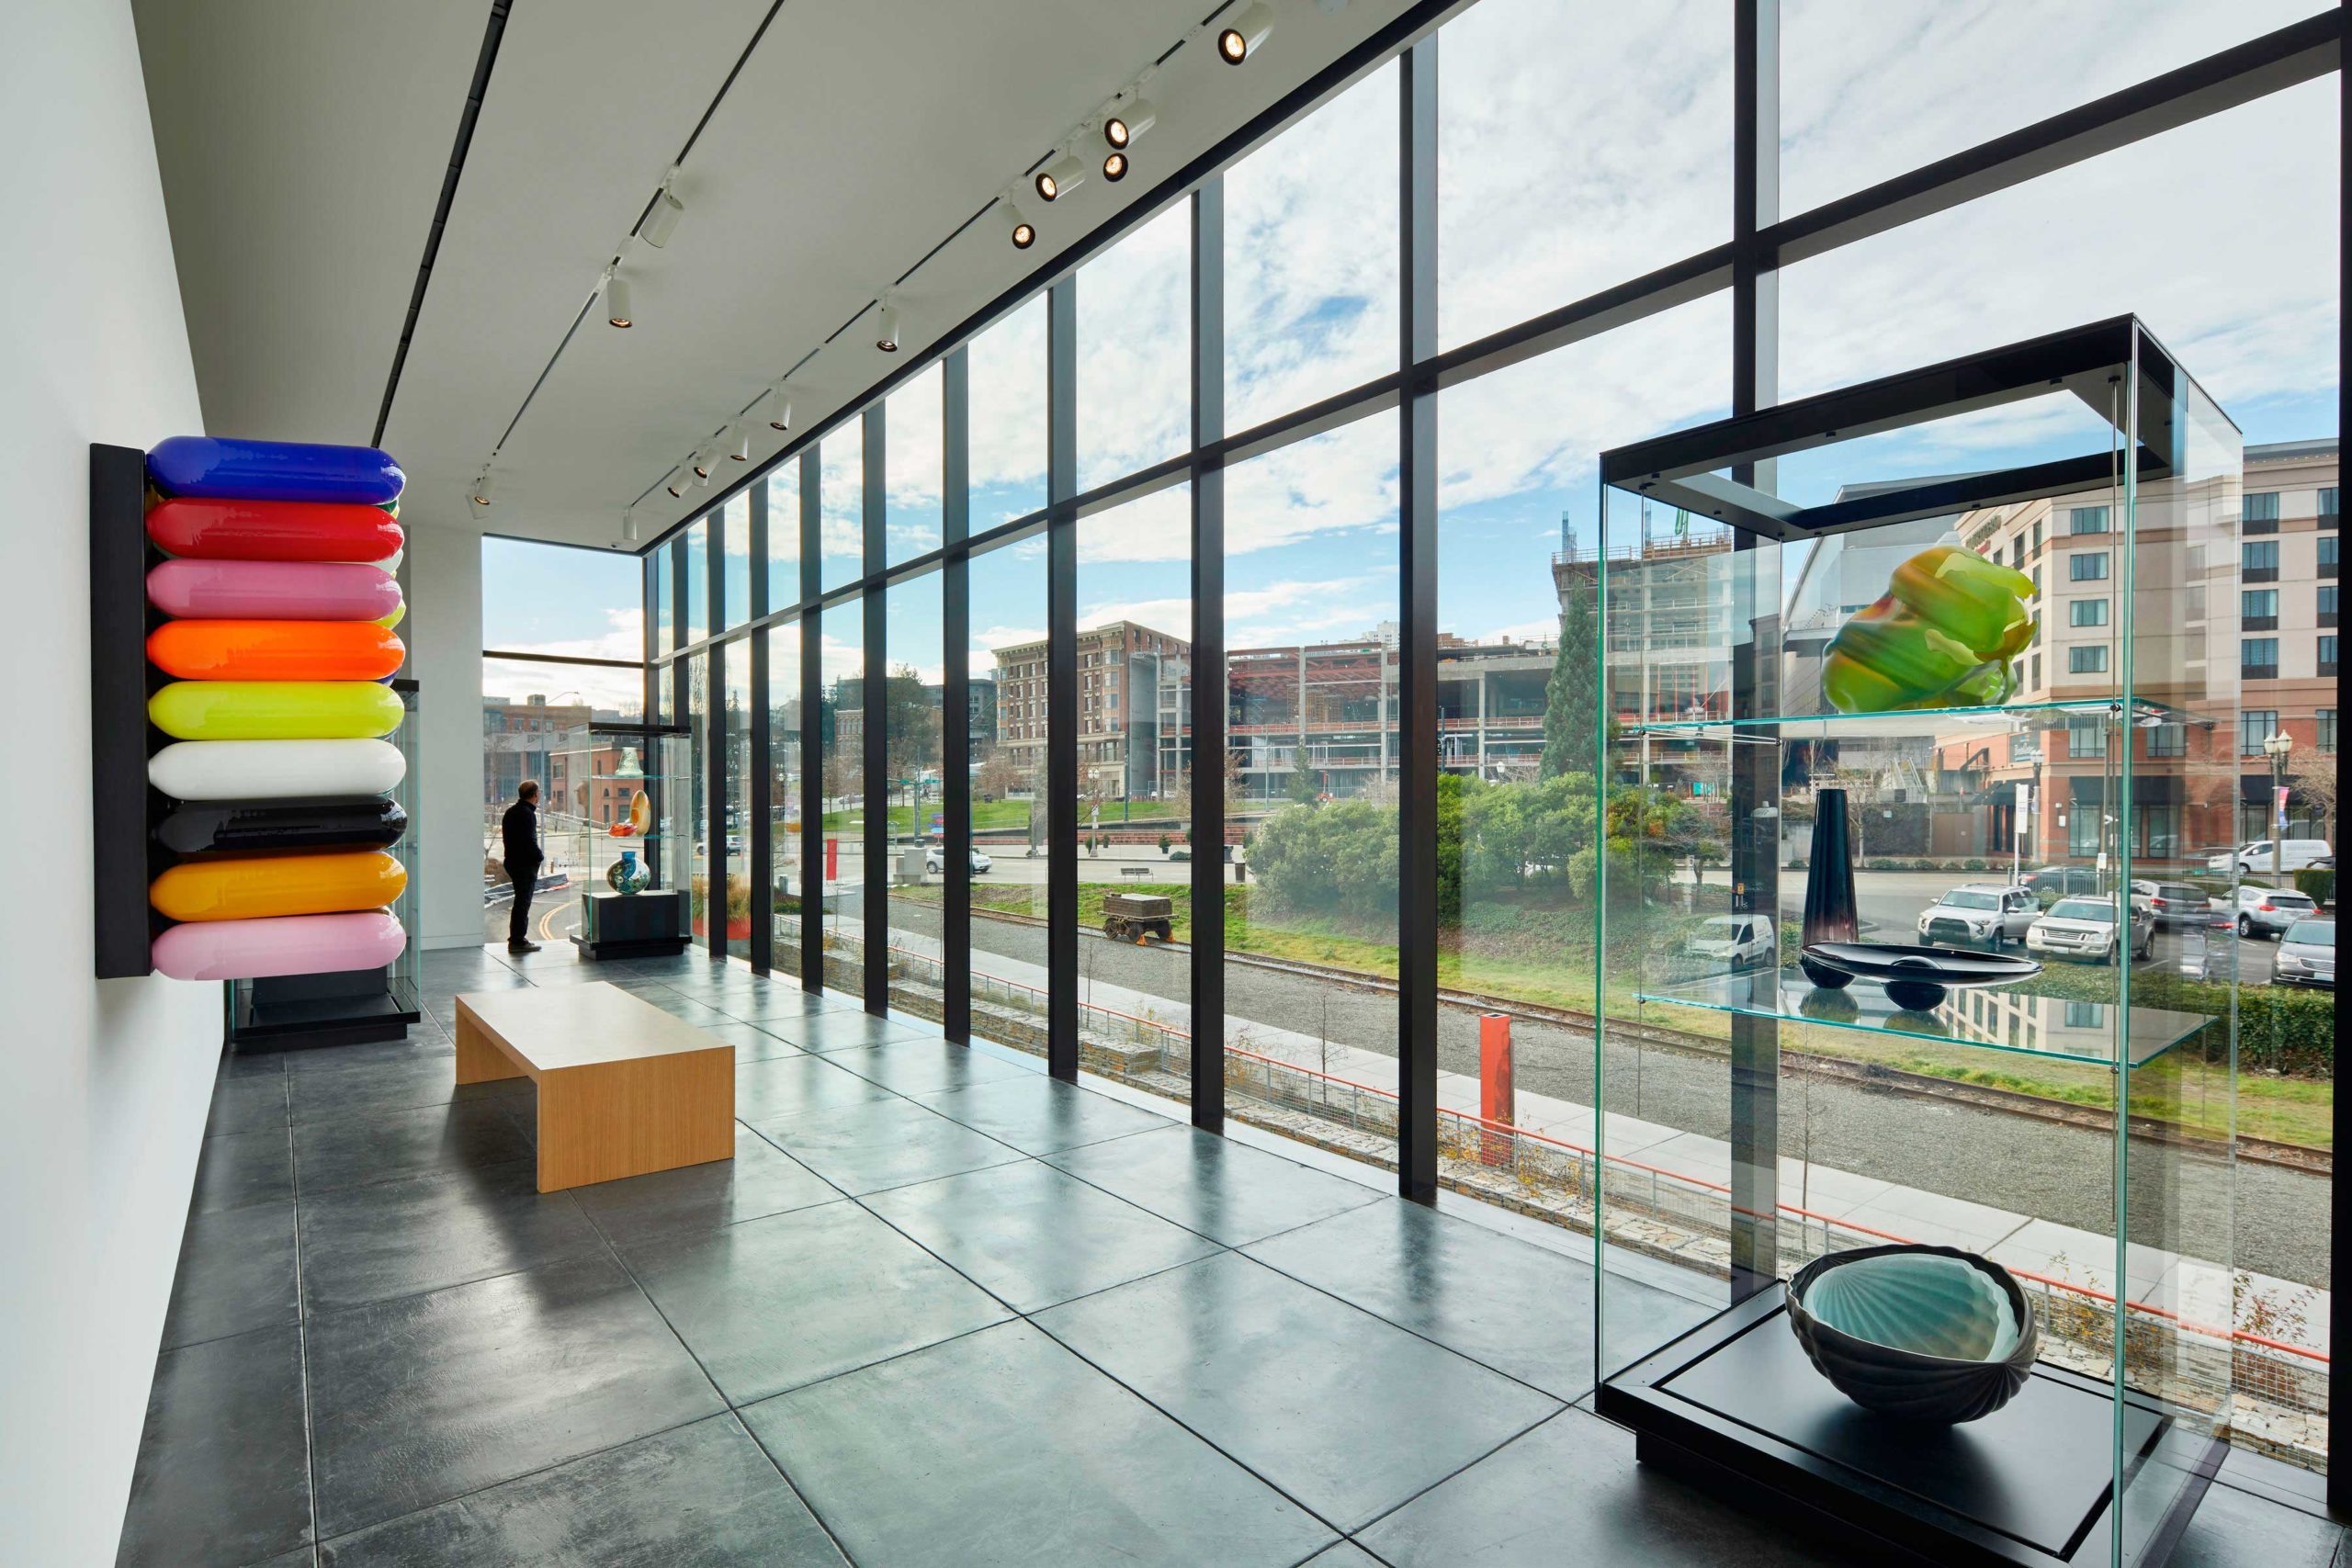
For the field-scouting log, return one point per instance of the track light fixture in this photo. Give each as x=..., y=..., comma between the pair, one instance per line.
x=628, y=526
x=662, y=221
x=1017, y=229
x=1059, y=178
x=886, y=327
x=616, y=291
x=1114, y=167
x=705, y=460
x=1130, y=115
x=482, y=487
x=1244, y=31
x=742, y=453
x=678, y=483
x=779, y=408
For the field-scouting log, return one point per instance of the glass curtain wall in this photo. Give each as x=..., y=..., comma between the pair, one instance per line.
x=1581, y=294
x=914, y=793
x=784, y=796
x=742, y=822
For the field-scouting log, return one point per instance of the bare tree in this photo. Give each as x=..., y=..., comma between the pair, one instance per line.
x=2313, y=778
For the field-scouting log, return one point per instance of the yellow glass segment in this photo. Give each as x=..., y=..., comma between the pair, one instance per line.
x=275, y=710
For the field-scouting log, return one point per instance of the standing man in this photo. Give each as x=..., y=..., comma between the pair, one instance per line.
x=522, y=857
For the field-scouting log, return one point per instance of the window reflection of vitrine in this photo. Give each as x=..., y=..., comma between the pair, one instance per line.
x=629, y=860
x=1797, y=616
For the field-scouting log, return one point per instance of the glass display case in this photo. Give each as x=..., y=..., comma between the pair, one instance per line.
x=292, y=1012
x=1921, y=728
x=615, y=826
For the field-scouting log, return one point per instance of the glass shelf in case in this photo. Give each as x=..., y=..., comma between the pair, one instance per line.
x=1987, y=611
x=1987, y=1018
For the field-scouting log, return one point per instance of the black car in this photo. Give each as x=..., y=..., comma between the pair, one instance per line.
x=2061, y=880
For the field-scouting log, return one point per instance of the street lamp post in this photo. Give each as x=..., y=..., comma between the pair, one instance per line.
x=2276, y=746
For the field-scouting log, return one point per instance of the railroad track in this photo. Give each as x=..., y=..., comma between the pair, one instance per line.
x=1867, y=1075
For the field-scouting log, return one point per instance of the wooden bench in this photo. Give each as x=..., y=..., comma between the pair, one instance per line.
x=624, y=1087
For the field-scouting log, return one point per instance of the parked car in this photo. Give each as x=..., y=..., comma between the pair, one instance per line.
x=2291, y=854
x=2269, y=911
x=2306, y=954
x=1979, y=912
x=2061, y=879
x=2176, y=903
x=1734, y=941
x=2085, y=928
x=934, y=861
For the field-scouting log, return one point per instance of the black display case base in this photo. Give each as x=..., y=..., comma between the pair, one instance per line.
x=300, y=1012
x=1735, y=1406
x=633, y=925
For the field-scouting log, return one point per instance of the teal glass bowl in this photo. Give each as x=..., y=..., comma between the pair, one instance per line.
x=1926, y=1334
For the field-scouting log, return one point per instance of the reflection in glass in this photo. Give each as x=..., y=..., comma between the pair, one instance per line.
x=841, y=728
x=840, y=528
x=1006, y=371
x=914, y=464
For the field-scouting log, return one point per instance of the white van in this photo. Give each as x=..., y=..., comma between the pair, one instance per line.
x=2295, y=854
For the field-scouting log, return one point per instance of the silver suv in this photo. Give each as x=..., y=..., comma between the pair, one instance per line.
x=2269, y=911
x=1979, y=912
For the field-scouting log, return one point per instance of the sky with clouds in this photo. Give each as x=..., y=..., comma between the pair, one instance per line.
x=1563, y=171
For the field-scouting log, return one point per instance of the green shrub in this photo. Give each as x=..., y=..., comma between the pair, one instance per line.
x=2280, y=1028
x=1975, y=866
x=2318, y=883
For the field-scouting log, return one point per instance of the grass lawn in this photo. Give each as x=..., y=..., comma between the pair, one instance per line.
x=988, y=817
x=2288, y=1109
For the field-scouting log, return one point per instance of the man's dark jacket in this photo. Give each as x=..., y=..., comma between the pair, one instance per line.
x=522, y=831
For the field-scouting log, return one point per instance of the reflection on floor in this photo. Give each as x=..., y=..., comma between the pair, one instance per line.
x=939, y=1309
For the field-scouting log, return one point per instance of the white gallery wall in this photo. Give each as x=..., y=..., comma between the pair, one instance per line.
x=104, y=1085
x=443, y=566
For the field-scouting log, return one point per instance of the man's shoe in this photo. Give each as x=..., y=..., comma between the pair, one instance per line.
x=522, y=947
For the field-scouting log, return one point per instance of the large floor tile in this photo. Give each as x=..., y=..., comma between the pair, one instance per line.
x=237, y=1273
x=222, y=1478
x=1227, y=1192
x=237, y=1168
x=686, y=1009
x=752, y=1043
x=1034, y=1235
x=369, y=1054
x=882, y=1143
x=426, y=1398
x=928, y=1067
x=1509, y=1305
x=793, y=1085
x=759, y=1182
x=384, y=1145
x=1002, y=1449
x=783, y=1001
x=423, y=1232
x=702, y=1496
x=771, y=1304
x=1570, y=1491
x=1348, y=1415
x=247, y=1104
x=2235, y=1529
x=426, y=1077
x=842, y=1030
x=1035, y=1113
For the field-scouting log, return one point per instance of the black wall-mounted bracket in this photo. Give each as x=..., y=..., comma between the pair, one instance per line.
x=121, y=740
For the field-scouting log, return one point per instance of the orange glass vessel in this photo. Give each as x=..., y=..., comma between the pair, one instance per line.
x=275, y=650
x=258, y=886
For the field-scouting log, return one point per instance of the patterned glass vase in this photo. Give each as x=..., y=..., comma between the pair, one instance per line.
x=1829, y=884
x=626, y=875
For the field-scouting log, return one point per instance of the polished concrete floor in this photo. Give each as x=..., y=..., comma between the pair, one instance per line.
x=938, y=1310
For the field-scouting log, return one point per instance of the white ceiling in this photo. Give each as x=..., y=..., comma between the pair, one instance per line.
x=303, y=150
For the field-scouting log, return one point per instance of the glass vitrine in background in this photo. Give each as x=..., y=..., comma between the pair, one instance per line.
x=1970, y=606
x=600, y=843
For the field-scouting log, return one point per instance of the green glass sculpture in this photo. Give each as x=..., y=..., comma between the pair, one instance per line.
x=1944, y=634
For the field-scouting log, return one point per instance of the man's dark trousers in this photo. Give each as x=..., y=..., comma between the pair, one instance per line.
x=518, y=917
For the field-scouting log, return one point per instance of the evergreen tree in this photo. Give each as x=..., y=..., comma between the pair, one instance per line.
x=1572, y=696
x=1302, y=785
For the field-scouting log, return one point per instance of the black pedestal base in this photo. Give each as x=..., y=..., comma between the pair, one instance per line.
x=633, y=925
x=1735, y=1405
x=300, y=1012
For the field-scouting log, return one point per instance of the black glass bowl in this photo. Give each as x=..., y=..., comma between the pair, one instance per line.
x=1951, y=1366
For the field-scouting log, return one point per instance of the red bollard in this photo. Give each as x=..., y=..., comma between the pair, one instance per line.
x=1496, y=1102
x=833, y=860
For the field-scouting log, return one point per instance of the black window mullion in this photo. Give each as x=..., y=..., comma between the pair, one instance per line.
x=1755, y=782
x=812, y=744
x=1206, y=748
x=872, y=737
x=758, y=813
x=1417, y=565
x=956, y=701
x=714, y=751
x=1061, y=680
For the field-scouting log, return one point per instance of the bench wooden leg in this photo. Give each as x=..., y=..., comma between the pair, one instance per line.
x=608, y=1120
x=479, y=1058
